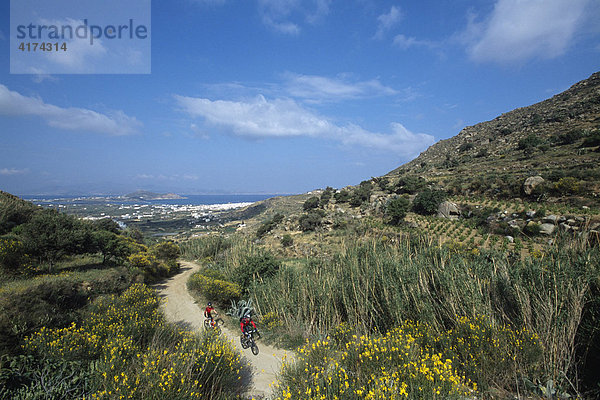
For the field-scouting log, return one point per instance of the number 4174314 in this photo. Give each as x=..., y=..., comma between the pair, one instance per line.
x=44, y=46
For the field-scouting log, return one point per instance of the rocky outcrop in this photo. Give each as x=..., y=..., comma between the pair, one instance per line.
x=449, y=210
x=531, y=183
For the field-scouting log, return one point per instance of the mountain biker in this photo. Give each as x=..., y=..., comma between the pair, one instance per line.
x=208, y=313
x=246, y=324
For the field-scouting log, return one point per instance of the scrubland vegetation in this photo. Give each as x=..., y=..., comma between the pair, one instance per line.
x=386, y=316
x=78, y=321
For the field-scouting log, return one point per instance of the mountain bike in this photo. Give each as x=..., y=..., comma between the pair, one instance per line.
x=214, y=324
x=248, y=340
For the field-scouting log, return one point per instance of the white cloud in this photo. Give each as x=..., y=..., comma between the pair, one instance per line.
x=518, y=30
x=80, y=56
x=257, y=117
x=387, y=21
x=76, y=119
x=13, y=171
x=286, y=16
x=405, y=42
x=262, y=118
x=318, y=88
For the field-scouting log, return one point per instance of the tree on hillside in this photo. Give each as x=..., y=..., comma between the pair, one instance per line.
x=361, y=194
x=428, y=201
x=50, y=235
x=342, y=196
x=14, y=212
x=396, y=210
x=111, y=245
x=326, y=196
x=311, y=203
x=106, y=224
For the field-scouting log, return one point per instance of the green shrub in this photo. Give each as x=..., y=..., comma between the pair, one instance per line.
x=428, y=201
x=396, y=209
x=592, y=140
x=570, y=137
x=466, y=147
x=220, y=291
x=259, y=266
x=286, y=240
x=361, y=194
x=343, y=196
x=311, y=203
x=410, y=184
x=311, y=220
x=529, y=143
x=567, y=185
x=13, y=258
x=166, y=251
x=269, y=225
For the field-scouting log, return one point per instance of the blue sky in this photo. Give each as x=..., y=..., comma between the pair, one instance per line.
x=283, y=96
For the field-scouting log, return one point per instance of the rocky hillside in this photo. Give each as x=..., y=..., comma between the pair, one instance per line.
x=556, y=138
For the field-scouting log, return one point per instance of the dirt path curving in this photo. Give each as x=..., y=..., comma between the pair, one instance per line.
x=181, y=309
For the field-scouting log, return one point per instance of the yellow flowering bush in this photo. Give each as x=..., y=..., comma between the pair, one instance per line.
x=194, y=367
x=390, y=366
x=271, y=320
x=214, y=287
x=492, y=354
x=135, y=355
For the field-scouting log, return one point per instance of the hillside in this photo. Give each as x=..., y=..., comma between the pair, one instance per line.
x=556, y=138
x=508, y=180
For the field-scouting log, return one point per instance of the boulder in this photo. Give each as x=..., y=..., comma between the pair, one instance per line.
x=448, y=209
x=565, y=227
x=530, y=214
x=517, y=223
x=510, y=239
x=531, y=183
x=546, y=229
x=550, y=219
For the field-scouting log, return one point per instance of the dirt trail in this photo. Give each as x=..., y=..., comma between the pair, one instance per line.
x=181, y=308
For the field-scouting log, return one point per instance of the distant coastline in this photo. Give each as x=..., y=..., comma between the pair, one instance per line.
x=147, y=196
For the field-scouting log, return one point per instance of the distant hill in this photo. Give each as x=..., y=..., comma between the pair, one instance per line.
x=556, y=138
x=145, y=195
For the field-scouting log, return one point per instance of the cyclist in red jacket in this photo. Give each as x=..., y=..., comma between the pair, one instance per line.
x=208, y=313
x=247, y=325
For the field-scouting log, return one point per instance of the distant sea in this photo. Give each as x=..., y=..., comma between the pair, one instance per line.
x=196, y=200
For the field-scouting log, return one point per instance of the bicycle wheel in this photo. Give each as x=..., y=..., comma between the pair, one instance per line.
x=206, y=324
x=243, y=342
x=254, y=349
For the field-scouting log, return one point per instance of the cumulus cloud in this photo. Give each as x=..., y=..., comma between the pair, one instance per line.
x=12, y=171
x=387, y=21
x=319, y=88
x=518, y=30
x=262, y=118
x=286, y=16
x=75, y=119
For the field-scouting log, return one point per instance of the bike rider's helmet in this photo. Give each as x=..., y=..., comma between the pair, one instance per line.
x=209, y=304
